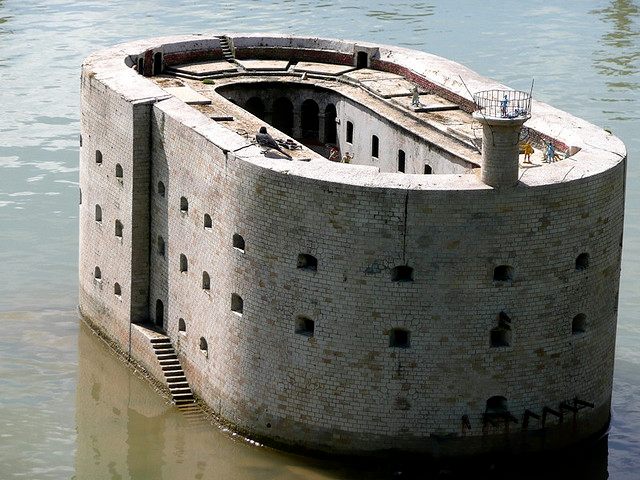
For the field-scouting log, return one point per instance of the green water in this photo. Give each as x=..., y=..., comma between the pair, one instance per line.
x=68, y=408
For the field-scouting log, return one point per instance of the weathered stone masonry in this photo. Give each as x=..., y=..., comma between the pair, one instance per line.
x=439, y=306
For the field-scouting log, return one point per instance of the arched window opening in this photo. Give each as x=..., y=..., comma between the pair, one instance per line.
x=80, y=137
x=401, y=161
x=399, y=338
x=497, y=405
x=141, y=65
x=238, y=242
x=159, y=313
x=304, y=326
x=119, y=172
x=184, y=264
x=157, y=63
x=255, y=106
x=375, y=144
x=97, y=274
x=427, y=169
x=184, y=205
x=118, y=228
x=500, y=336
x=402, y=273
x=117, y=291
x=237, y=304
x=330, y=115
x=283, y=115
x=206, y=281
x=362, y=60
x=98, y=213
x=98, y=157
x=161, y=246
x=503, y=273
x=349, y=132
x=310, y=123
x=182, y=326
x=204, y=348
x=207, y=221
x=307, y=262
x=161, y=189
x=579, y=324
x=80, y=192
x=582, y=261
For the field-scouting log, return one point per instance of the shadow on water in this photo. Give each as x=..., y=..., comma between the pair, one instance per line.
x=125, y=429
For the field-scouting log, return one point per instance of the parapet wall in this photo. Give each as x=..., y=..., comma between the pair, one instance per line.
x=493, y=299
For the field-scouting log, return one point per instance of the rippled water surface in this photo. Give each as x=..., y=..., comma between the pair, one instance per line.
x=69, y=408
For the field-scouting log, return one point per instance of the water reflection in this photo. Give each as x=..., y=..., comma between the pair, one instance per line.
x=127, y=430
x=621, y=54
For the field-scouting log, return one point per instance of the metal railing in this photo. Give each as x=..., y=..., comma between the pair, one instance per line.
x=509, y=104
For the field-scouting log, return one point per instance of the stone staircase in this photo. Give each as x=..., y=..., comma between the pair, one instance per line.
x=227, y=51
x=179, y=388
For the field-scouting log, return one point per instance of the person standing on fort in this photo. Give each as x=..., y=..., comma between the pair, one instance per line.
x=527, y=149
x=550, y=153
x=504, y=103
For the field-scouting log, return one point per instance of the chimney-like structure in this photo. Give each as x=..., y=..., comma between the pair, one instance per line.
x=502, y=114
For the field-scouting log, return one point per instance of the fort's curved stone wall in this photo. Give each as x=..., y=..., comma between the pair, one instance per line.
x=345, y=387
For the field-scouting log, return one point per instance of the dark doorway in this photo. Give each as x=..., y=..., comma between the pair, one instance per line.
x=283, y=115
x=401, y=161
x=157, y=63
x=141, y=66
x=159, y=314
x=330, y=115
x=362, y=60
x=255, y=106
x=310, y=123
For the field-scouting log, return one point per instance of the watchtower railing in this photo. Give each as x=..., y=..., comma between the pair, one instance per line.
x=508, y=104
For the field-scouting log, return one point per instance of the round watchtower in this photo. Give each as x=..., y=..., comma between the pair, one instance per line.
x=502, y=114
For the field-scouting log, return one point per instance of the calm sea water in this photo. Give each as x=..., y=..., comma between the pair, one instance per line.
x=69, y=409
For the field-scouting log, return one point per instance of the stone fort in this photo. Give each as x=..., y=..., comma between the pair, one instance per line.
x=407, y=281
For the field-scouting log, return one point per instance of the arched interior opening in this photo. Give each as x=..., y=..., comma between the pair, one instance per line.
x=119, y=228
x=330, y=132
x=98, y=157
x=161, y=189
x=184, y=205
x=184, y=263
x=206, y=281
x=309, y=121
x=237, y=304
x=255, y=106
x=182, y=326
x=207, y=221
x=97, y=273
x=500, y=336
x=307, y=262
x=117, y=290
x=503, y=273
x=283, y=115
x=119, y=172
x=238, y=242
x=204, y=347
x=98, y=213
x=157, y=63
x=159, y=313
x=497, y=405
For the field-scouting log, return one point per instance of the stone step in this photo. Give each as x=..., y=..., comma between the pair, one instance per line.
x=169, y=368
x=173, y=385
x=174, y=373
x=169, y=361
x=162, y=346
x=181, y=391
x=160, y=340
x=184, y=401
x=176, y=379
x=183, y=396
x=166, y=356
